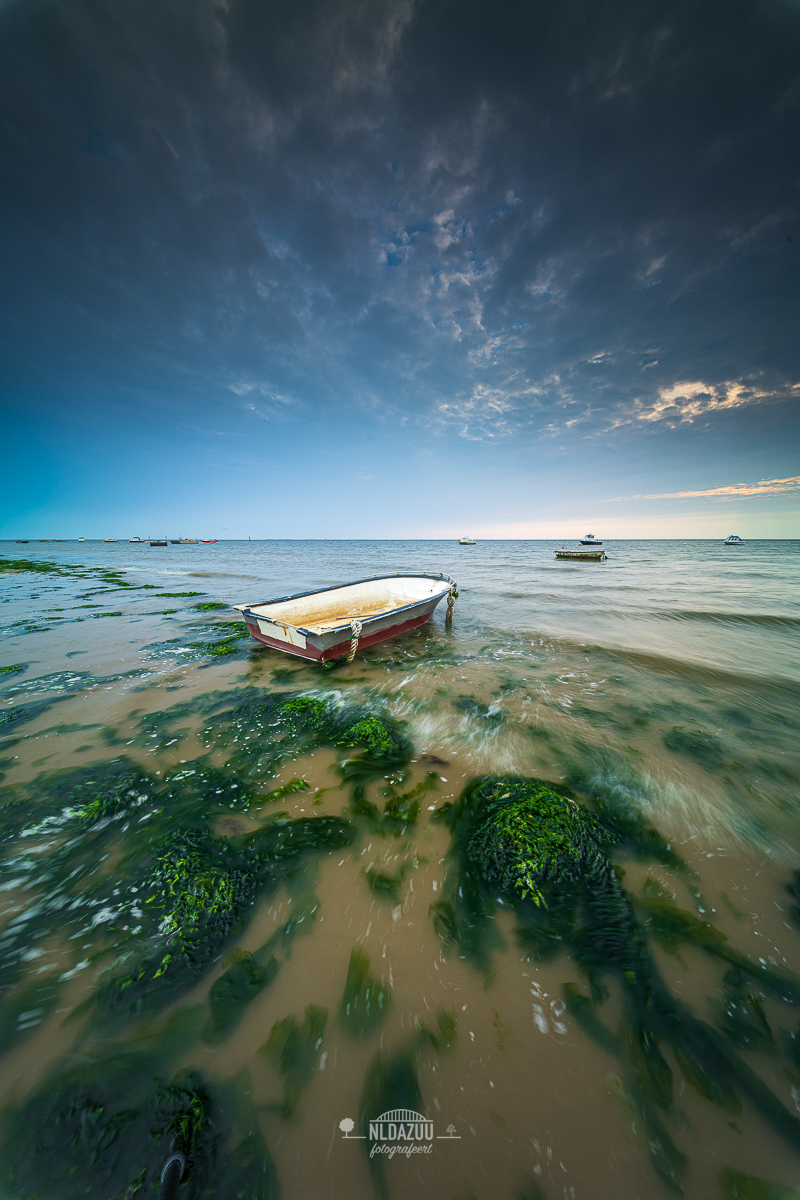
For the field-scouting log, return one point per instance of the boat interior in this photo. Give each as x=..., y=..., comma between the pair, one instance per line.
x=326, y=610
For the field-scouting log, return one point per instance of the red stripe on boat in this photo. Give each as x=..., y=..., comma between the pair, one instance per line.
x=341, y=649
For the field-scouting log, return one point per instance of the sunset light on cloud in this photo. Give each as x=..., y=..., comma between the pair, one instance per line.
x=765, y=487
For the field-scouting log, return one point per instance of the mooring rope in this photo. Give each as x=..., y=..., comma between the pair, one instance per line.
x=354, y=636
x=451, y=602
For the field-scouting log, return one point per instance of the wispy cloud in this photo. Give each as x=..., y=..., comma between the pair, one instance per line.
x=765, y=487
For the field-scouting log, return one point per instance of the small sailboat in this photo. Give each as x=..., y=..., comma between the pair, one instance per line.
x=466, y=541
x=590, y=540
x=733, y=540
x=329, y=622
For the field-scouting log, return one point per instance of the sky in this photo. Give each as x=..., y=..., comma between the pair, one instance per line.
x=400, y=268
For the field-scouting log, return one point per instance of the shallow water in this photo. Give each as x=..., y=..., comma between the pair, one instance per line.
x=666, y=675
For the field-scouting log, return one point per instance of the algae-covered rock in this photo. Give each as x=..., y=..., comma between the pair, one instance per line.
x=529, y=837
x=533, y=845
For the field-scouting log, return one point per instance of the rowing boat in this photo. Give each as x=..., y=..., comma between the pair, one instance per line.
x=331, y=622
x=581, y=555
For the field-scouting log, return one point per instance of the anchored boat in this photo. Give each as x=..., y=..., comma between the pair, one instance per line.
x=466, y=541
x=581, y=555
x=733, y=540
x=331, y=622
x=590, y=540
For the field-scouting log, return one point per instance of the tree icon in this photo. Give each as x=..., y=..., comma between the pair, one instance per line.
x=451, y=1129
x=347, y=1125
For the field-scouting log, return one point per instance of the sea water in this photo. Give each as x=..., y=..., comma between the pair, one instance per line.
x=667, y=675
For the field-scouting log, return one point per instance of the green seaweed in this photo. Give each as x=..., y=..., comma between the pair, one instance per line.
x=14, y=669
x=196, y=893
x=530, y=844
x=286, y=789
x=234, y=990
x=384, y=885
x=695, y=743
x=668, y=1162
x=365, y=1000
x=178, y=893
x=735, y=1186
x=294, y=1050
x=472, y=707
x=215, y=649
x=400, y=812
x=208, y=605
x=528, y=1188
x=392, y=1083
x=104, y=1129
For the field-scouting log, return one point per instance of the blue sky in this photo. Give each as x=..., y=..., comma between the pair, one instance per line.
x=402, y=269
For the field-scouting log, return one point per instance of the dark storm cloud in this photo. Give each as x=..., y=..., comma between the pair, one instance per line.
x=479, y=216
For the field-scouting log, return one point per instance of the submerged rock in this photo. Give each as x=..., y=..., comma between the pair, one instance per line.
x=531, y=844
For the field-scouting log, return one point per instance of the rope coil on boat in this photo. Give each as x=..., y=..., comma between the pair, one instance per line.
x=451, y=602
x=354, y=636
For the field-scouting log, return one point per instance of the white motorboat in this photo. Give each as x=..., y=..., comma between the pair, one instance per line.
x=466, y=541
x=590, y=540
x=733, y=540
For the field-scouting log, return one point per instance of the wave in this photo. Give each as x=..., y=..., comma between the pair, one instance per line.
x=727, y=618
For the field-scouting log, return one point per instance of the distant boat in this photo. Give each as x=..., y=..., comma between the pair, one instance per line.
x=590, y=540
x=109, y=539
x=733, y=540
x=134, y=539
x=159, y=542
x=581, y=555
x=330, y=622
x=22, y=541
x=208, y=542
x=467, y=541
x=81, y=539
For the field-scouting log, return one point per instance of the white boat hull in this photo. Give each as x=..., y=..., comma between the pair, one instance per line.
x=319, y=625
